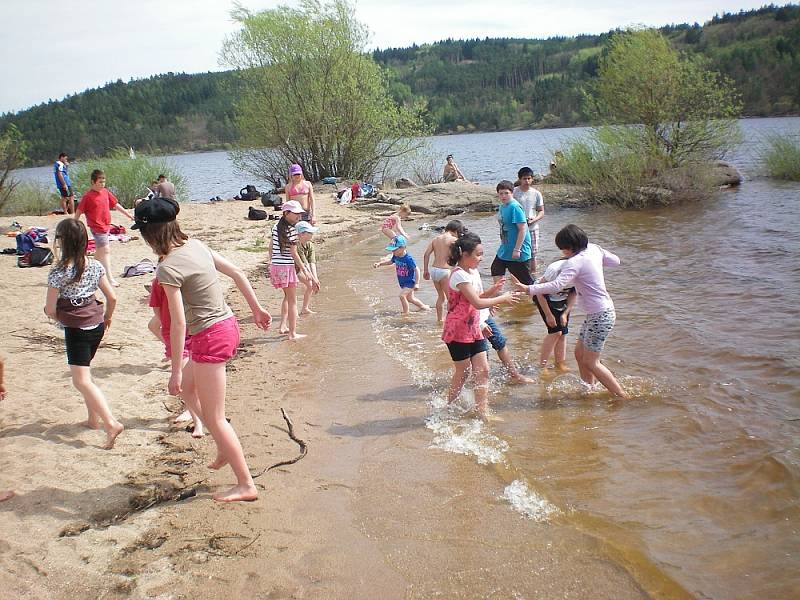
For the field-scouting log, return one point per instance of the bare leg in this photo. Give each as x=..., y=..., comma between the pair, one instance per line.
x=508, y=361
x=307, y=293
x=549, y=343
x=96, y=402
x=440, y=298
x=291, y=305
x=403, y=302
x=103, y=255
x=480, y=371
x=586, y=374
x=70, y=204
x=284, y=328
x=591, y=361
x=210, y=381
x=417, y=302
x=560, y=353
x=460, y=372
x=189, y=397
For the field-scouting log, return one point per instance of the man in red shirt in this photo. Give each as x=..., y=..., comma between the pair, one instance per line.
x=96, y=204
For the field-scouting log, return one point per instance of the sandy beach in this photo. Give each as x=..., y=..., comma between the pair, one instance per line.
x=366, y=512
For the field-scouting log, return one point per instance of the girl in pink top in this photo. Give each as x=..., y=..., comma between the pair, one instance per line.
x=302, y=191
x=392, y=226
x=584, y=270
x=462, y=326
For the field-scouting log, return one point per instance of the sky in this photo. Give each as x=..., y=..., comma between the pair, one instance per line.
x=50, y=49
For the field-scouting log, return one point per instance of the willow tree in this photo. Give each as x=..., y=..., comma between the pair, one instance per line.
x=310, y=94
x=687, y=112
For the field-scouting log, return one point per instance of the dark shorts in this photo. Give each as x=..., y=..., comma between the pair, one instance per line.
x=65, y=192
x=405, y=285
x=461, y=351
x=557, y=308
x=521, y=269
x=497, y=339
x=82, y=344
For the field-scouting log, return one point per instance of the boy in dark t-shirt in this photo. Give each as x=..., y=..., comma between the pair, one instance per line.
x=407, y=273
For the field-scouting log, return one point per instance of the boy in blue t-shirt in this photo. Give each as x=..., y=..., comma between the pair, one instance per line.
x=514, y=253
x=407, y=273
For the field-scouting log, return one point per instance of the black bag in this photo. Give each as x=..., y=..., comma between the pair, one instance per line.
x=249, y=192
x=269, y=198
x=256, y=214
x=38, y=257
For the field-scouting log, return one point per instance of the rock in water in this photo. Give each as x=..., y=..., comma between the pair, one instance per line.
x=724, y=173
x=404, y=182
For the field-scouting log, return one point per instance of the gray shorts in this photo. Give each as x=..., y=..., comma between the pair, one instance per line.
x=596, y=329
x=100, y=239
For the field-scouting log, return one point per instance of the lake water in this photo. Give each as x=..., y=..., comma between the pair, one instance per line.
x=483, y=157
x=693, y=484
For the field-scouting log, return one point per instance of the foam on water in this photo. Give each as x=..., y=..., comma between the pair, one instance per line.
x=527, y=502
x=468, y=437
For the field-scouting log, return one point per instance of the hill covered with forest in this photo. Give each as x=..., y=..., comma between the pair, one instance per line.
x=461, y=85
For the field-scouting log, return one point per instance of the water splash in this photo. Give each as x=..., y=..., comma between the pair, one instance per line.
x=527, y=502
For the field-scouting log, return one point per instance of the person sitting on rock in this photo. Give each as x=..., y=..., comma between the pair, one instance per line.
x=451, y=171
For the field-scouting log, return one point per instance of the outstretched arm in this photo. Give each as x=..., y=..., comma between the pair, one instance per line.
x=262, y=317
x=468, y=291
x=382, y=263
x=609, y=258
x=122, y=209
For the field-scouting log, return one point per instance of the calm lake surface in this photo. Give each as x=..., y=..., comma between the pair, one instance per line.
x=693, y=485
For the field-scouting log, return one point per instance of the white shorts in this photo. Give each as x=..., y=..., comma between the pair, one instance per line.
x=437, y=273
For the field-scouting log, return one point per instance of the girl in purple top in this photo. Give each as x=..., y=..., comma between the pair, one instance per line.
x=584, y=271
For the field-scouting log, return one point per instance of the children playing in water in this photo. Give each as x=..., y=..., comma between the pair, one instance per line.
x=160, y=325
x=532, y=204
x=392, y=226
x=462, y=327
x=555, y=310
x=188, y=273
x=308, y=256
x=285, y=264
x=71, y=287
x=584, y=269
x=514, y=253
x=300, y=190
x=407, y=273
x=96, y=204
x=439, y=247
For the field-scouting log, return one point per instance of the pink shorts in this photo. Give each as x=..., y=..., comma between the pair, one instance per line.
x=217, y=343
x=187, y=345
x=283, y=276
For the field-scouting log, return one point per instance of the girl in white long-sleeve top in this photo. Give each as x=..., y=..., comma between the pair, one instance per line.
x=583, y=269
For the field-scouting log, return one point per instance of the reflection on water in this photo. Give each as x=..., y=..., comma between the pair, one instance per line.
x=697, y=477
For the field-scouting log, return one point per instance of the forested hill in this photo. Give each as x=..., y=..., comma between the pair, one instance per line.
x=489, y=84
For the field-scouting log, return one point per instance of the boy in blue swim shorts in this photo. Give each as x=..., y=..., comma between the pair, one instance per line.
x=408, y=275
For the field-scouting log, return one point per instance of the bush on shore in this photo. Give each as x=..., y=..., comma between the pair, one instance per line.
x=31, y=198
x=781, y=158
x=127, y=177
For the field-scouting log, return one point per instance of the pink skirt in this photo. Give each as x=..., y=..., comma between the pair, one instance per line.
x=283, y=276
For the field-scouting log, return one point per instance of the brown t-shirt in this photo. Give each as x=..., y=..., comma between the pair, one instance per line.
x=166, y=189
x=191, y=268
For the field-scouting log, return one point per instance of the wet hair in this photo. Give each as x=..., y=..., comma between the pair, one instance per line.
x=572, y=238
x=62, y=155
x=505, y=185
x=456, y=227
x=466, y=243
x=283, y=234
x=525, y=172
x=97, y=174
x=162, y=176
x=404, y=208
x=72, y=239
x=163, y=237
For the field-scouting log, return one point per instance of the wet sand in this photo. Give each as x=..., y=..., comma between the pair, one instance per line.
x=371, y=509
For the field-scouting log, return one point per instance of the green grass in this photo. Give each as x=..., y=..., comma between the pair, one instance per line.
x=31, y=198
x=259, y=245
x=781, y=158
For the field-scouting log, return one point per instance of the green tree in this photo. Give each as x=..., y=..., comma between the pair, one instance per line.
x=12, y=156
x=687, y=112
x=311, y=95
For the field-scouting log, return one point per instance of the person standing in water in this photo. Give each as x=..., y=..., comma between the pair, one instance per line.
x=439, y=247
x=583, y=269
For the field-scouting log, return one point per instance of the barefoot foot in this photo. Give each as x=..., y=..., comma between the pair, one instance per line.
x=92, y=423
x=238, y=493
x=6, y=495
x=114, y=283
x=198, y=432
x=218, y=463
x=297, y=336
x=308, y=311
x=521, y=379
x=111, y=435
x=184, y=416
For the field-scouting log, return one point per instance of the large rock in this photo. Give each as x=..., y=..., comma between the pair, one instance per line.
x=405, y=183
x=724, y=173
